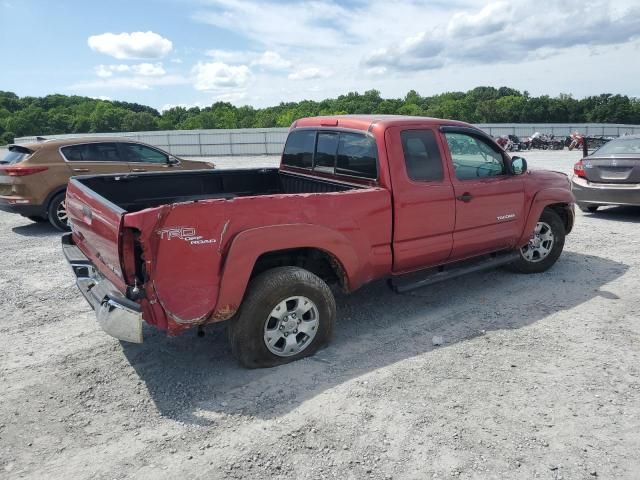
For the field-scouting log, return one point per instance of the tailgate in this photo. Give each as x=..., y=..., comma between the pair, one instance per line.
x=95, y=223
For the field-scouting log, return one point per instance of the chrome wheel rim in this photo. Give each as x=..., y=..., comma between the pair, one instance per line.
x=291, y=326
x=61, y=212
x=540, y=244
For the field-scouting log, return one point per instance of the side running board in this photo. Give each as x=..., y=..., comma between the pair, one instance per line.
x=411, y=281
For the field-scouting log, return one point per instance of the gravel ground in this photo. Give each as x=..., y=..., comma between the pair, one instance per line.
x=536, y=377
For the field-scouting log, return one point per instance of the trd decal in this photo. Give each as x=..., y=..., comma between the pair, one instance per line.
x=187, y=234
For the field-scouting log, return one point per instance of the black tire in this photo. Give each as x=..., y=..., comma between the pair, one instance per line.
x=523, y=265
x=53, y=213
x=246, y=331
x=588, y=208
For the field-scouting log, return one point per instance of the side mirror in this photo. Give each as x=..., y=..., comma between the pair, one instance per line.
x=171, y=160
x=518, y=165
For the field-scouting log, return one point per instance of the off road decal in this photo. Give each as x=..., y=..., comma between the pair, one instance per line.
x=187, y=234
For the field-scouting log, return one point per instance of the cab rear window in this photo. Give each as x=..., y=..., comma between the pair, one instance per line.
x=298, y=152
x=15, y=155
x=341, y=153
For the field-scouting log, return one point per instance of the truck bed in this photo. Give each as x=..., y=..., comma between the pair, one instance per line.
x=133, y=193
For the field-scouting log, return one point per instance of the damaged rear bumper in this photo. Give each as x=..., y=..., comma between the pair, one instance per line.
x=117, y=315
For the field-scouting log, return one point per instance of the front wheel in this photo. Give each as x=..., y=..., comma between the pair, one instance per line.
x=288, y=313
x=544, y=247
x=58, y=213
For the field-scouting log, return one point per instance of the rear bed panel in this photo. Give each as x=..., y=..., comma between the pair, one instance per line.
x=186, y=244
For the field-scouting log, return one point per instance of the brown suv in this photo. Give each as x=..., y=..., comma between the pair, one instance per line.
x=33, y=177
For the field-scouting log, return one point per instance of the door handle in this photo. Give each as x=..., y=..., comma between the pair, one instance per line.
x=465, y=197
x=80, y=169
x=138, y=170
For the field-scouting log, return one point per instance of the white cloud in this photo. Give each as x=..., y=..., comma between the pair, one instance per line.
x=149, y=69
x=232, y=97
x=262, y=21
x=272, y=61
x=130, y=82
x=219, y=75
x=231, y=57
x=127, y=46
x=310, y=73
x=499, y=32
x=141, y=69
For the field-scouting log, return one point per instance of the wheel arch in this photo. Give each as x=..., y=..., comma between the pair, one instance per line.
x=560, y=200
x=52, y=195
x=323, y=251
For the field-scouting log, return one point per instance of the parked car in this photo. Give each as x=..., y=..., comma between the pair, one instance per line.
x=609, y=176
x=33, y=177
x=356, y=198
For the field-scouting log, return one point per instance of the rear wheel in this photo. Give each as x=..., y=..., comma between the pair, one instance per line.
x=544, y=247
x=588, y=208
x=57, y=213
x=288, y=313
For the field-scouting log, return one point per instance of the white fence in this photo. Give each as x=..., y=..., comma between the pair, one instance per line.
x=559, y=129
x=269, y=141
x=202, y=143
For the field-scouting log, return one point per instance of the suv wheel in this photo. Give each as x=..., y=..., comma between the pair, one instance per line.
x=288, y=313
x=544, y=247
x=585, y=207
x=57, y=213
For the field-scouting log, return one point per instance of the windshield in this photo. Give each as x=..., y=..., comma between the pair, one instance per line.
x=620, y=146
x=15, y=154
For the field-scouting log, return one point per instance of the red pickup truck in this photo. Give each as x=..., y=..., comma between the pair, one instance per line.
x=356, y=198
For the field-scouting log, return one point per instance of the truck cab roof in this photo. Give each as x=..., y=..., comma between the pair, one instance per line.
x=367, y=122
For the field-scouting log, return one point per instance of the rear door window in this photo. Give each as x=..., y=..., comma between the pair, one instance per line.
x=92, y=152
x=422, y=155
x=357, y=156
x=134, y=152
x=15, y=155
x=298, y=152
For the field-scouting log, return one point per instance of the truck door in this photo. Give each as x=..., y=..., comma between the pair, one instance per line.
x=423, y=199
x=489, y=199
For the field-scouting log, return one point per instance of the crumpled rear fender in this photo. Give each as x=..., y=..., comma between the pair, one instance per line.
x=250, y=244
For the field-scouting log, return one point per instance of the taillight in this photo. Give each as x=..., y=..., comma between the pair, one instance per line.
x=578, y=169
x=22, y=171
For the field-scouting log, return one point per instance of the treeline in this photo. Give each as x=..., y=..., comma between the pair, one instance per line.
x=55, y=114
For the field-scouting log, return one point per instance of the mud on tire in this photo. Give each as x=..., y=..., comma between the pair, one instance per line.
x=273, y=306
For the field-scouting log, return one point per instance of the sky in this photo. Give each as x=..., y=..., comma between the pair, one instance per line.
x=164, y=53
